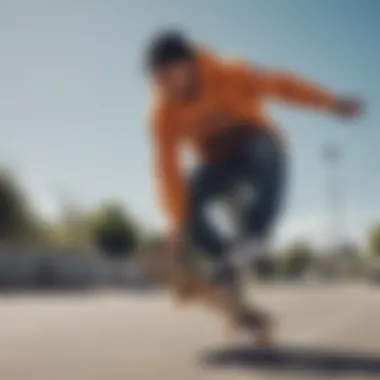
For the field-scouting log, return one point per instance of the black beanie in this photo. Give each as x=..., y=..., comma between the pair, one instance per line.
x=168, y=47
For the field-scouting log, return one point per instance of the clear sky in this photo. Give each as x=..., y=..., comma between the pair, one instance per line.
x=73, y=97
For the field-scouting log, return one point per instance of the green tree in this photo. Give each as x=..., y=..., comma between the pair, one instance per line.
x=18, y=223
x=113, y=231
x=297, y=258
x=374, y=239
x=350, y=259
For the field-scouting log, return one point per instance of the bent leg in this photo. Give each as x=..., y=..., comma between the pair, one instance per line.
x=266, y=163
x=207, y=183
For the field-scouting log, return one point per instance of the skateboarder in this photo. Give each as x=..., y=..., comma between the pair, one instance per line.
x=216, y=107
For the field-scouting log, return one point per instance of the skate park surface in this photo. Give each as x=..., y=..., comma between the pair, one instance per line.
x=324, y=331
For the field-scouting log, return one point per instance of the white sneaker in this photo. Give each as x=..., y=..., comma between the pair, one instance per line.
x=238, y=262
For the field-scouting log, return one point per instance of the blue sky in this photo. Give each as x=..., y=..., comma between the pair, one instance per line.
x=73, y=97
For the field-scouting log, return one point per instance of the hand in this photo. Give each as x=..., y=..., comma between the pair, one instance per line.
x=349, y=107
x=174, y=244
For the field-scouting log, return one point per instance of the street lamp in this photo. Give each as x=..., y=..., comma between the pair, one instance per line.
x=332, y=155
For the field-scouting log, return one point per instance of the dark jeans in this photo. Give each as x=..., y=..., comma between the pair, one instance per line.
x=260, y=165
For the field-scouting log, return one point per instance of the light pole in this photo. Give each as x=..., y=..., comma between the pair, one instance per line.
x=332, y=156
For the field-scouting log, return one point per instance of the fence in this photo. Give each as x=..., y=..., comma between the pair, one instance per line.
x=31, y=268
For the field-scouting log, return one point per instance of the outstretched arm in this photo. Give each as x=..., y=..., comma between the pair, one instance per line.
x=285, y=86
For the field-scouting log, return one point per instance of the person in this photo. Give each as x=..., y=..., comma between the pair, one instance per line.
x=215, y=106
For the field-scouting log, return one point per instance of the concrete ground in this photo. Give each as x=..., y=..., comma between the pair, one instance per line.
x=116, y=336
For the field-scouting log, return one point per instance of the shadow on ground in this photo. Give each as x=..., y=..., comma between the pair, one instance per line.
x=293, y=359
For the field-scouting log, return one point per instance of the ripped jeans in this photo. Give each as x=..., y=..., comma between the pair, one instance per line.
x=261, y=167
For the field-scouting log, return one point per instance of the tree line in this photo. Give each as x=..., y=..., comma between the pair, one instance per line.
x=110, y=229
x=107, y=228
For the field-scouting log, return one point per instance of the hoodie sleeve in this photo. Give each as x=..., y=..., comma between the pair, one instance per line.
x=171, y=184
x=284, y=86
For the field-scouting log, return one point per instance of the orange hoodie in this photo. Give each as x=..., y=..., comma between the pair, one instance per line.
x=231, y=93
